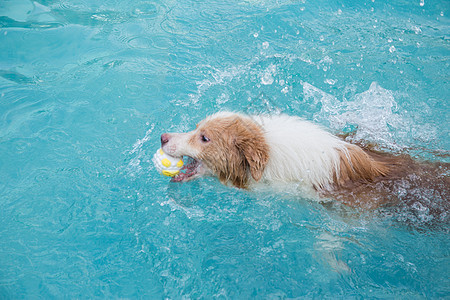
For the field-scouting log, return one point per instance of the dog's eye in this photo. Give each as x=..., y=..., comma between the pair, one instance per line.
x=204, y=138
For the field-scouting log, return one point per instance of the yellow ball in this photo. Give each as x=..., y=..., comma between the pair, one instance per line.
x=180, y=163
x=169, y=173
x=166, y=164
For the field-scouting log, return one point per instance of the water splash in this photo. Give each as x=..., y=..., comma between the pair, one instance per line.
x=372, y=116
x=217, y=77
x=134, y=167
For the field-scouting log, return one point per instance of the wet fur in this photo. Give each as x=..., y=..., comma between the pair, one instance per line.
x=246, y=150
x=238, y=150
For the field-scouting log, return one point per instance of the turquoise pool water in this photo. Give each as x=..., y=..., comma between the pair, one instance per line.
x=87, y=87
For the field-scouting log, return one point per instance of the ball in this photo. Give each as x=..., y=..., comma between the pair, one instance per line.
x=167, y=165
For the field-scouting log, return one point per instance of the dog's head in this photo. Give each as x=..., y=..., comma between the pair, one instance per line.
x=227, y=145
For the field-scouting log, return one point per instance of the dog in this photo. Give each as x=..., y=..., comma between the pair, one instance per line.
x=247, y=150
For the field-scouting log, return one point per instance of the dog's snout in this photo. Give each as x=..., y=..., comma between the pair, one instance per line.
x=164, y=139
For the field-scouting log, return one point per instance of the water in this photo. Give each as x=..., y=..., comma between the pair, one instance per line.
x=87, y=87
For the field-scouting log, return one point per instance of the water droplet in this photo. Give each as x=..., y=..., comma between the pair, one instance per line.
x=417, y=29
x=330, y=81
x=267, y=79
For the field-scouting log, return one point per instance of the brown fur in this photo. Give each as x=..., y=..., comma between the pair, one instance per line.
x=386, y=179
x=237, y=149
x=356, y=165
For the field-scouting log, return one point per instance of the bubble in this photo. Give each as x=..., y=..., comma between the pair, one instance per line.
x=265, y=45
x=330, y=81
x=267, y=78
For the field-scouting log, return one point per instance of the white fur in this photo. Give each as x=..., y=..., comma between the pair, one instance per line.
x=300, y=151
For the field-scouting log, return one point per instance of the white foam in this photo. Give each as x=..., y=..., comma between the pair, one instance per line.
x=374, y=113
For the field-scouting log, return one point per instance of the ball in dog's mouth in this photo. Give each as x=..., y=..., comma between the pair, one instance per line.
x=191, y=168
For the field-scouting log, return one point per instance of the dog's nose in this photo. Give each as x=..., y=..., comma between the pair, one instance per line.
x=164, y=139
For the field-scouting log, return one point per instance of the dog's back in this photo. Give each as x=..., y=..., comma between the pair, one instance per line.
x=354, y=175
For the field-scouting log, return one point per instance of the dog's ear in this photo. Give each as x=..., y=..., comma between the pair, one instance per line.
x=252, y=145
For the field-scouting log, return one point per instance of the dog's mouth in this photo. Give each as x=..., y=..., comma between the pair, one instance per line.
x=191, y=169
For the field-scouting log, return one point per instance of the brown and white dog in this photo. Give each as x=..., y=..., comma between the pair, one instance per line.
x=244, y=150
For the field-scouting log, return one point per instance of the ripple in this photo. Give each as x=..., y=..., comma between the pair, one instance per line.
x=134, y=89
x=20, y=145
x=53, y=134
x=83, y=206
x=161, y=42
x=176, y=26
x=42, y=175
x=139, y=42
